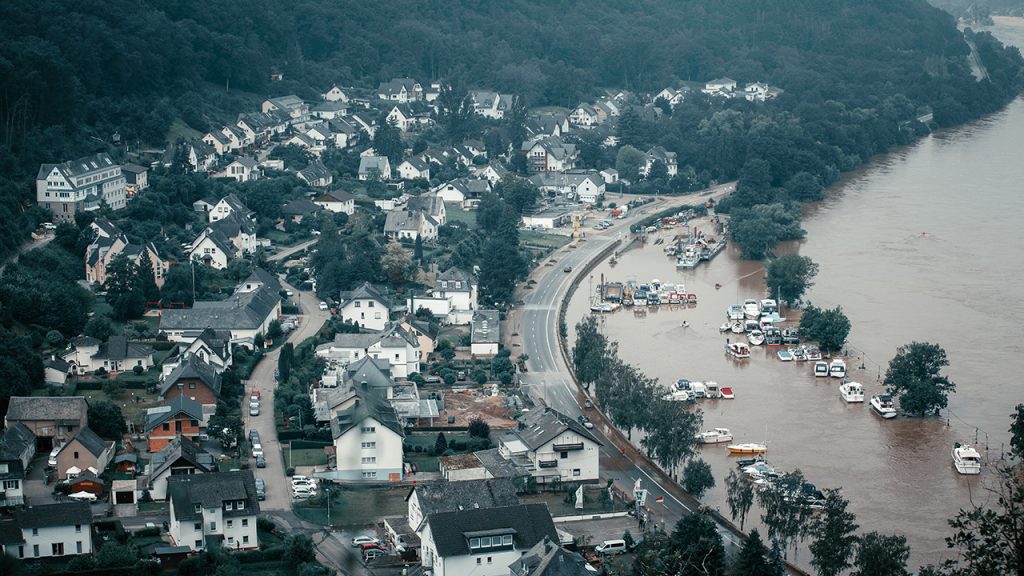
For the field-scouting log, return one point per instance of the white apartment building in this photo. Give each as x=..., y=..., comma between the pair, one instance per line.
x=47, y=530
x=80, y=185
x=214, y=509
x=552, y=445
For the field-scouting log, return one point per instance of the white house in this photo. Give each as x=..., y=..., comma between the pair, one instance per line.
x=315, y=174
x=610, y=175
x=367, y=442
x=549, y=154
x=17, y=447
x=46, y=530
x=660, y=154
x=374, y=168
x=227, y=206
x=211, y=346
x=585, y=116
x=548, y=558
x=337, y=201
x=335, y=94
x=400, y=90
x=213, y=249
x=459, y=289
x=493, y=172
x=214, y=509
x=403, y=117
x=553, y=446
x=364, y=307
x=398, y=346
x=723, y=87
x=413, y=168
x=547, y=219
x=292, y=105
x=584, y=186
x=179, y=457
x=483, y=541
x=80, y=185
x=409, y=225
x=491, y=104
x=486, y=333
x=115, y=355
x=245, y=315
x=424, y=500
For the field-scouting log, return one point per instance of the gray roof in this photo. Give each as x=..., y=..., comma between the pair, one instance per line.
x=52, y=515
x=334, y=196
x=527, y=523
x=212, y=490
x=430, y=203
x=440, y=497
x=30, y=408
x=219, y=341
x=368, y=163
x=398, y=220
x=220, y=241
x=15, y=440
x=547, y=558
x=364, y=292
x=351, y=340
x=300, y=207
x=245, y=311
x=176, y=450
x=234, y=224
x=90, y=441
x=454, y=274
x=261, y=277
x=164, y=412
x=369, y=407
x=134, y=168
x=486, y=326
x=83, y=340
x=120, y=348
x=498, y=466
x=417, y=163
x=313, y=171
x=192, y=368
x=540, y=427
x=58, y=364
x=369, y=370
x=79, y=167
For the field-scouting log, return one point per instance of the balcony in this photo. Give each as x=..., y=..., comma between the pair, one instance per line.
x=567, y=447
x=547, y=463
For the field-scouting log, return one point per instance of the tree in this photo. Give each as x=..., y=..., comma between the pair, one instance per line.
x=670, y=429
x=632, y=391
x=54, y=339
x=829, y=328
x=99, y=327
x=284, y=362
x=519, y=193
x=440, y=445
x=1017, y=432
x=298, y=548
x=590, y=352
x=697, y=477
x=387, y=141
x=417, y=249
x=785, y=516
x=124, y=292
x=396, y=263
x=698, y=545
x=789, y=276
x=739, y=495
x=914, y=377
x=501, y=267
x=146, y=281
x=274, y=330
x=752, y=559
x=114, y=555
x=479, y=428
x=991, y=540
x=881, y=555
x=833, y=532
x=804, y=187
x=628, y=162
x=106, y=420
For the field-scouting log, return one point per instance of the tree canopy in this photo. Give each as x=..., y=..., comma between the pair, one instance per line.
x=914, y=377
x=789, y=276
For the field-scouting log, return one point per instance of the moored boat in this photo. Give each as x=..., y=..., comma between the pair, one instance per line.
x=813, y=353
x=716, y=436
x=751, y=309
x=772, y=336
x=785, y=355
x=851, y=392
x=604, y=307
x=749, y=448
x=712, y=390
x=727, y=393
x=738, y=350
x=837, y=369
x=883, y=406
x=799, y=353
x=966, y=459
x=737, y=327
x=755, y=337
x=735, y=312
x=820, y=369
x=768, y=306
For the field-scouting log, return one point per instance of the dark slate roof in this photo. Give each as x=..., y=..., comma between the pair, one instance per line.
x=364, y=292
x=334, y=196
x=15, y=440
x=52, y=515
x=541, y=427
x=498, y=466
x=369, y=407
x=260, y=276
x=85, y=476
x=300, y=207
x=219, y=341
x=398, y=220
x=547, y=558
x=417, y=163
x=244, y=311
x=90, y=441
x=80, y=341
x=120, y=348
x=212, y=490
x=25, y=408
x=193, y=368
x=315, y=170
x=126, y=457
x=368, y=369
x=182, y=404
x=486, y=326
x=234, y=224
x=454, y=274
x=464, y=495
x=529, y=523
x=176, y=450
x=134, y=168
x=10, y=533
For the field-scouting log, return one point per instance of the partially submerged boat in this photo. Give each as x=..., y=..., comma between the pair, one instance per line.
x=785, y=355
x=813, y=353
x=966, y=459
x=851, y=392
x=604, y=307
x=735, y=312
x=837, y=369
x=738, y=350
x=755, y=337
x=772, y=336
x=883, y=406
x=751, y=309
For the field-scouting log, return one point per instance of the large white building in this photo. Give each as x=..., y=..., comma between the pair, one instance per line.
x=80, y=185
x=396, y=345
x=61, y=529
x=367, y=442
x=552, y=446
x=215, y=509
x=364, y=307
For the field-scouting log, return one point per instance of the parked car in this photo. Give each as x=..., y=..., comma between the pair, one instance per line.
x=302, y=492
x=611, y=547
x=586, y=421
x=257, y=451
x=261, y=489
x=323, y=306
x=373, y=553
x=304, y=484
x=52, y=460
x=300, y=478
x=254, y=437
x=261, y=462
x=49, y=226
x=204, y=437
x=567, y=269
x=360, y=540
x=254, y=409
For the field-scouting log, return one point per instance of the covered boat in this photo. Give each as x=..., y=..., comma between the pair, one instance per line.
x=966, y=459
x=738, y=350
x=755, y=337
x=883, y=406
x=851, y=392
x=716, y=436
x=821, y=369
x=837, y=369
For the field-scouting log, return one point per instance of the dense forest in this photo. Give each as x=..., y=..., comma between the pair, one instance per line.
x=74, y=74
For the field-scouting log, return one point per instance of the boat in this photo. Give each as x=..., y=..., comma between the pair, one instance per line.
x=965, y=458
x=851, y=392
x=768, y=306
x=716, y=436
x=699, y=389
x=627, y=301
x=759, y=470
x=712, y=390
x=798, y=353
x=727, y=393
x=737, y=327
x=790, y=336
x=682, y=384
x=745, y=462
x=785, y=355
x=738, y=350
x=751, y=309
x=837, y=369
x=882, y=405
x=725, y=327
x=691, y=298
x=735, y=312
x=772, y=336
x=755, y=337
x=751, y=325
x=604, y=307
x=813, y=353
x=749, y=448
x=821, y=369
x=680, y=396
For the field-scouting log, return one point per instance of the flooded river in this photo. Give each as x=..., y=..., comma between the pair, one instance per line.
x=923, y=244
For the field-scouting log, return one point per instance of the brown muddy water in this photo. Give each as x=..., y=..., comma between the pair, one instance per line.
x=924, y=244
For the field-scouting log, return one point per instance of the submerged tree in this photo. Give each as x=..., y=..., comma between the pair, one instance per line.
x=881, y=555
x=784, y=514
x=914, y=377
x=789, y=276
x=833, y=531
x=739, y=495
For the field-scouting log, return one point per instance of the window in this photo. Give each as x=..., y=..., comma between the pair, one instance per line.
x=564, y=455
x=78, y=547
x=191, y=385
x=199, y=544
x=213, y=526
x=359, y=304
x=166, y=426
x=240, y=505
x=198, y=508
x=231, y=523
x=198, y=526
x=245, y=522
x=76, y=455
x=368, y=429
x=57, y=548
x=78, y=528
x=575, y=471
x=369, y=460
x=229, y=506
x=35, y=550
x=231, y=539
x=11, y=484
x=35, y=531
x=245, y=539
x=369, y=444
x=21, y=551
x=477, y=561
x=369, y=475
x=489, y=559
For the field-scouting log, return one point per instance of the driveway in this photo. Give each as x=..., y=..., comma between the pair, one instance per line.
x=278, y=486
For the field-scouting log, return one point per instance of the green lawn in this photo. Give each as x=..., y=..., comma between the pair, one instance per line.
x=423, y=462
x=535, y=238
x=304, y=457
x=355, y=505
x=229, y=465
x=153, y=506
x=594, y=502
x=181, y=131
x=457, y=214
x=133, y=410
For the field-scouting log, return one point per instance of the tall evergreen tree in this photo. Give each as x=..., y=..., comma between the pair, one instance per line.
x=834, y=540
x=124, y=290
x=752, y=559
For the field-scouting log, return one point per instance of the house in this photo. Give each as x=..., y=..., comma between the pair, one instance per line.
x=80, y=185
x=260, y=127
x=242, y=169
x=610, y=175
x=491, y=104
x=46, y=530
x=315, y=174
x=17, y=447
x=413, y=168
x=335, y=94
x=402, y=90
x=135, y=177
x=585, y=116
x=87, y=482
x=126, y=463
x=213, y=249
x=83, y=452
x=374, y=168
x=365, y=122
x=674, y=96
x=465, y=192
x=292, y=105
x=329, y=110
x=346, y=133
x=553, y=446
x=483, y=541
x=459, y=288
x=245, y=315
x=179, y=417
x=424, y=333
x=364, y=307
x=105, y=249
x=117, y=354
x=760, y=92
x=547, y=218
x=410, y=225
x=549, y=154
x=368, y=442
x=585, y=186
x=53, y=420
x=337, y=201
x=193, y=379
x=547, y=124
x=213, y=510
x=210, y=346
x=200, y=155
x=398, y=346
x=179, y=457
x=227, y=206
x=240, y=230
x=431, y=205
x=56, y=370
x=659, y=154
x=485, y=333
x=722, y=87
x=301, y=208
x=321, y=135
x=480, y=465
x=493, y=172
x=220, y=143
x=424, y=500
x=547, y=558
x=405, y=118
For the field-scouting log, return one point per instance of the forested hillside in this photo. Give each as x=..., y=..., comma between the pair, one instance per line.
x=74, y=73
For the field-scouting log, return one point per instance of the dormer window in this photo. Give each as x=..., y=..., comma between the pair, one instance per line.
x=199, y=509
x=491, y=543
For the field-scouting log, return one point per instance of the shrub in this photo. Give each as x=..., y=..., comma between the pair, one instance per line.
x=479, y=428
x=289, y=471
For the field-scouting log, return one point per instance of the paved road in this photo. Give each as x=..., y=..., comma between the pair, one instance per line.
x=283, y=254
x=35, y=243
x=262, y=379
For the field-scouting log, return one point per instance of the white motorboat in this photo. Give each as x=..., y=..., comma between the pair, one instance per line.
x=755, y=337
x=883, y=406
x=768, y=306
x=965, y=458
x=712, y=390
x=837, y=369
x=737, y=327
x=604, y=307
x=851, y=392
x=738, y=350
x=716, y=436
x=725, y=328
x=785, y=355
x=751, y=309
x=821, y=369
x=735, y=312
x=680, y=396
x=813, y=353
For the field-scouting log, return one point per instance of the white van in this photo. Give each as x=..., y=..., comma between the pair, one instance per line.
x=611, y=547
